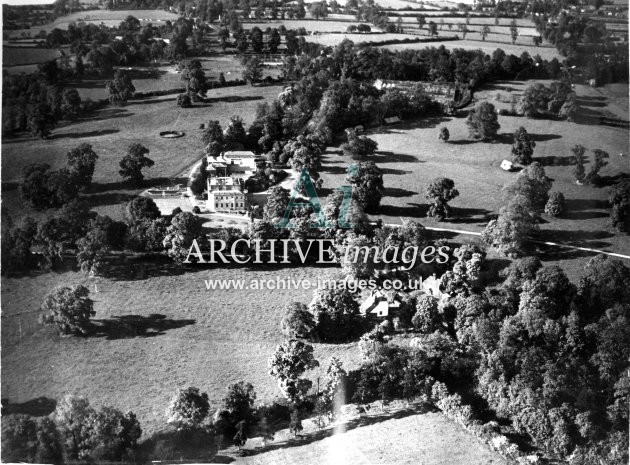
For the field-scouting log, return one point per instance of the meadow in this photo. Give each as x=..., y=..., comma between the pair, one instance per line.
x=411, y=155
x=16, y=56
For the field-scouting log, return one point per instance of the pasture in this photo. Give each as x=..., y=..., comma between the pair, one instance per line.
x=411, y=155
x=188, y=336
x=17, y=56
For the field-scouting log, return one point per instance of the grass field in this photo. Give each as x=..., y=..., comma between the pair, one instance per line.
x=437, y=441
x=13, y=56
x=108, y=17
x=411, y=155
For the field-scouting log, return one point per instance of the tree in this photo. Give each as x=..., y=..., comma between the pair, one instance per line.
x=132, y=164
x=592, y=177
x=256, y=38
x=239, y=402
x=39, y=121
x=68, y=309
x=427, y=317
x=277, y=203
x=513, y=30
x=142, y=208
x=444, y=134
x=295, y=422
x=90, y=254
x=195, y=78
x=183, y=100
x=483, y=122
x=17, y=241
x=274, y=41
x=523, y=147
x=235, y=135
x=29, y=439
x=433, y=29
x=556, y=204
x=512, y=228
x=289, y=361
x=359, y=147
x=367, y=184
x=335, y=313
x=252, y=71
x=188, y=409
x=531, y=187
x=421, y=20
x=440, y=192
x=619, y=200
x=120, y=89
x=578, y=170
x=81, y=161
x=484, y=32
x=240, y=438
x=297, y=322
x=70, y=103
x=184, y=228
x=213, y=133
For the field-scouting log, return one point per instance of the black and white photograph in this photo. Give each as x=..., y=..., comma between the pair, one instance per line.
x=315, y=232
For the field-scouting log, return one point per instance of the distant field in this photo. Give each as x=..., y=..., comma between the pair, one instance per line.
x=168, y=77
x=309, y=25
x=12, y=56
x=107, y=17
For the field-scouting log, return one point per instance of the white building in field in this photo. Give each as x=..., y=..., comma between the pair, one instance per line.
x=226, y=181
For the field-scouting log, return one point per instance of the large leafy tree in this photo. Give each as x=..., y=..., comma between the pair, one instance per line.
x=440, y=192
x=619, y=200
x=287, y=364
x=82, y=160
x=120, y=89
x=367, y=184
x=483, y=122
x=184, y=228
x=359, y=147
x=69, y=309
x=133, y=162
x=297, y=321
x=188, y=409
x=523, y=147
x=336, y=314
x=142, y=208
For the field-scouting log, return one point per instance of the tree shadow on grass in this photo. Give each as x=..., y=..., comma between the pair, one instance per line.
x=38, y=407
x=398, y=192
x=391, y=157
x=326, y=168
x=544, y=137
x=580, y=238
x=463, y=142
x=109, y=198
x=393, y=171
x=132, y=326
x=141, y=268
x=81, y=135
x=607, y=181
x=233, y=99
x=411, y=210
x=553, y=160
x=469, y=215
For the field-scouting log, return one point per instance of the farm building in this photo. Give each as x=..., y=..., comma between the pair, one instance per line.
x=380, y=304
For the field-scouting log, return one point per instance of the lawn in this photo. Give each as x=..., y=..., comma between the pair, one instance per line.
x=112, y=129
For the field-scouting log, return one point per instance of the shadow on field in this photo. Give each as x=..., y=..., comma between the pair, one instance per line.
x=607, y=181
x=393, y=171
x=349, y=425
x=391, y=157
x=398, y=192
x=81, y=135
x=553, y=160
x=412, y=210
x=38, y=407
x=233, y=99
x=139, y=269
x=469, y=215
x=131, y=326
x=544, y=137
x=109, y=198
x=463, y=142
x=586, y=204
x=580, y=238
x=107, y=113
